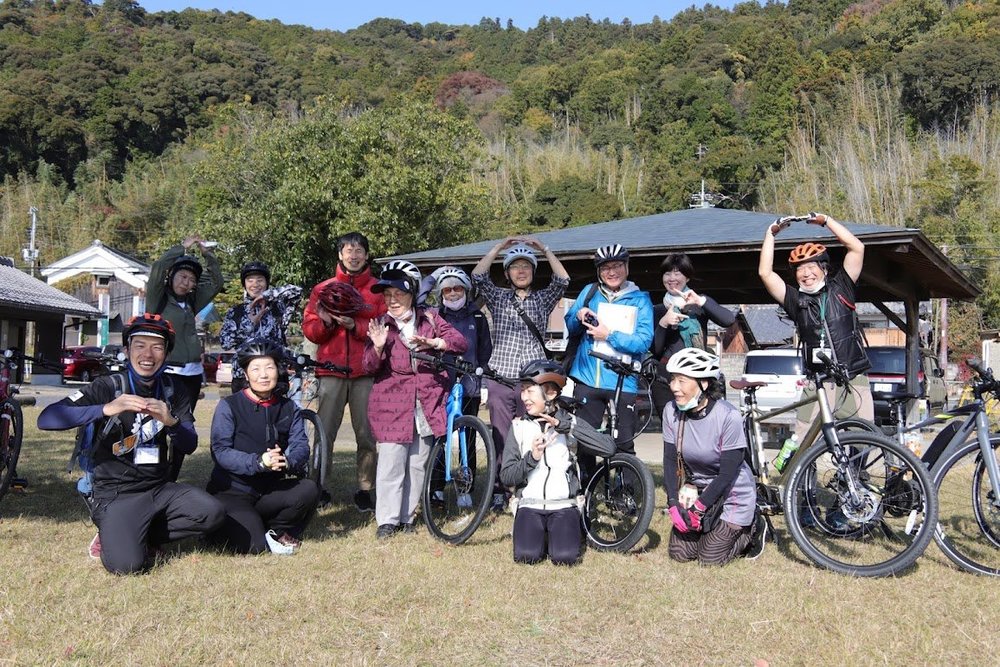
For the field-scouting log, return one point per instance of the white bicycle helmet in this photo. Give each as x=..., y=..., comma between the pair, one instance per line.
x=520, y=251
x=406, y=267
x=694, y=362
x=451, y=273
x=615, y=252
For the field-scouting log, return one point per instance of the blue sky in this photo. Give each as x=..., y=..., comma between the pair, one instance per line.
x=341, y=15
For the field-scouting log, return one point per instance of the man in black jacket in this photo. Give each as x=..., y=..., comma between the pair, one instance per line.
x=141, y=419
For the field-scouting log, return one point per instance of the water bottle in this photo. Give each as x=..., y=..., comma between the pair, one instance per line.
x=785, y=453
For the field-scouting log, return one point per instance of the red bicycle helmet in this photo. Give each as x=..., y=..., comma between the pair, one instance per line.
x=808, y=252
x=149, y=324
x=341, y=298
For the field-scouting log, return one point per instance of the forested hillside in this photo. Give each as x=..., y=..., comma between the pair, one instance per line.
x=135, y=127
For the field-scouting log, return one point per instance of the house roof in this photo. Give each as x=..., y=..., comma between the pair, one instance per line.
x=28, y=296
x=724, y=244
x=99, y=259
x=767, y=324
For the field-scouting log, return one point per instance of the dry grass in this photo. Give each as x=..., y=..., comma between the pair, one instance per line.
x=346, y=599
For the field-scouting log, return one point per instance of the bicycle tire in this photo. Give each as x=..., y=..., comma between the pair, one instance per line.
x=13, y=433
x=316, y=435
x=968, y=530
x=889, y=529
x=618, y=503
x=453, y=509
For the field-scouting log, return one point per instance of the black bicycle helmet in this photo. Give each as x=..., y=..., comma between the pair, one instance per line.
x=615, y=252
x=256, y=350
x=255, y=267
x=149, y=324
x=187, y=262
x=541, y=371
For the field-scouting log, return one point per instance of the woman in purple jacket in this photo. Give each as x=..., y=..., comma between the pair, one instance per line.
x=406, y=408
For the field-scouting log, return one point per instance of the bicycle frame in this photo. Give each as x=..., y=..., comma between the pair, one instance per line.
x=454, y=410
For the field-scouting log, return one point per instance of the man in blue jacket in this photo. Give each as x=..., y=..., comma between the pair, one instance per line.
x=615, y=317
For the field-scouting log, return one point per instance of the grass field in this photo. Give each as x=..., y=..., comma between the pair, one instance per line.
x=347, y=599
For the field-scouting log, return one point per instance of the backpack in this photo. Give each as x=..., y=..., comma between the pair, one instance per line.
x=89, y=435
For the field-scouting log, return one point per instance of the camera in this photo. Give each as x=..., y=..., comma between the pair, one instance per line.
x=590, y=319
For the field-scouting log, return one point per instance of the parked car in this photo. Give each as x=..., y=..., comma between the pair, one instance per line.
x=82, y=363
x=782, y=370
x=224, y=370
x=209, y=365
x=888, y=379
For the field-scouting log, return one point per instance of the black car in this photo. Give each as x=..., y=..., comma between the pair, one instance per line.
x=887, y=378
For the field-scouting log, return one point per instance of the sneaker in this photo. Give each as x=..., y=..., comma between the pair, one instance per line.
x=94, y=549
x=437, y=499
x=363, y=501
x=283, y=545
x=499, y=502
x=324, y=499
x=464, y=500
x=758, y=536
x=385, y=531
x=408, y=528
x=836, y=520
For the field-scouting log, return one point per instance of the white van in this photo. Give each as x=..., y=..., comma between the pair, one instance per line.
x=782, y=369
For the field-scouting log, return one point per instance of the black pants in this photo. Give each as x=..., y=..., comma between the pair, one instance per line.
x=192, y=385
x=595, y=403
x=285, y=509
x=562, y=528
x=130, y=522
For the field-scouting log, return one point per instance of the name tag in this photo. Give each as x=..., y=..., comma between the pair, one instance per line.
x=147, y=456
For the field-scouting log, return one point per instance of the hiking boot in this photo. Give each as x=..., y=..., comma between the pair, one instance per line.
x=385, y=531
x=499, y=502
x=758, y=536
x=94, y=549
x=283, y=545
x=363, y=501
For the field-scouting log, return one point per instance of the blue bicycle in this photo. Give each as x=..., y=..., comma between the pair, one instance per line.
x=462, y=465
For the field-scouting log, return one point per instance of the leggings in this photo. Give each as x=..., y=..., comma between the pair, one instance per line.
x=724, y=543
x=562, y=528
x=192, y=385
x=287, y=508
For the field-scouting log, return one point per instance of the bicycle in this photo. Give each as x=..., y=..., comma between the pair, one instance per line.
x=11, y=424
x=315, y=433
x=879, y=498
x=963, y=461
x=462, y=465
x=619, y=495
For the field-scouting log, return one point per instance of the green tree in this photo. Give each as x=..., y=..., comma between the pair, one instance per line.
x=571, y=201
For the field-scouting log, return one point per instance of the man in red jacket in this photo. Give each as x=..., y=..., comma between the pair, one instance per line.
x=341, y=340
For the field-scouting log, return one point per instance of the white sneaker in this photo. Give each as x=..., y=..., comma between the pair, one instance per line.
x=279, y=546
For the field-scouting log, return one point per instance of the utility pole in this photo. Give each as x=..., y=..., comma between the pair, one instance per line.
x=30, y=255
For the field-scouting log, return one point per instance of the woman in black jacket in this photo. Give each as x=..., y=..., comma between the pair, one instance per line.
x=258, y=438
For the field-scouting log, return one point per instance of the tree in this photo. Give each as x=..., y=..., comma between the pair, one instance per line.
x=571, y=201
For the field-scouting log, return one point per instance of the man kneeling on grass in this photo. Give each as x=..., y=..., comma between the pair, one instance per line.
x=136, y=507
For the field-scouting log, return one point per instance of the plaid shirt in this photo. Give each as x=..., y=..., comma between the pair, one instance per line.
x=514, y=344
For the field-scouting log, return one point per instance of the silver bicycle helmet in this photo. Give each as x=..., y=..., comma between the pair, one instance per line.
x=446, y=273
x=615, y=252
x=520, y=251
x=408, y=268
x=694, y=362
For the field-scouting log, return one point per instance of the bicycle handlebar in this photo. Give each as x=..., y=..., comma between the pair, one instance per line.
x=626, y=365
x=15, y=355
x=304, y=361
x=462, y=367
x=836, y=372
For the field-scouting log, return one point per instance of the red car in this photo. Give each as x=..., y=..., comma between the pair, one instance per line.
x=82, y=363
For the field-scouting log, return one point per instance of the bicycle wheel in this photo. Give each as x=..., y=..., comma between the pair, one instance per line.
x=456, y=496
x=316, y=435
x=618, y=503
x=880, y=533
x=11, y=432
x=968, y=517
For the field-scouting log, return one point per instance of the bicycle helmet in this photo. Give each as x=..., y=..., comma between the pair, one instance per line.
x=615, y=252
x=694, y=362
x=184, y=262
x=341, y=298
x=255, y=267
x=541, y=371
x=449, y=275
x=808, y=252
x=152, y=325
x=400, y=274
x=256, y=350
x=519, y=251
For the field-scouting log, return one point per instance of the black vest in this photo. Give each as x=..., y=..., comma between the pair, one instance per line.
x=842, y=331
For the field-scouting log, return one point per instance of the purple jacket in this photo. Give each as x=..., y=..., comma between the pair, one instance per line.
x=399, y=381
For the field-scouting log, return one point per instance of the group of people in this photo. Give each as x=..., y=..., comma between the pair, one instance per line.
x=365, y=328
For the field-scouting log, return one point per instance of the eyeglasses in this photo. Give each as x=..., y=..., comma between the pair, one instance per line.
x=611, y=267
x=452, y=290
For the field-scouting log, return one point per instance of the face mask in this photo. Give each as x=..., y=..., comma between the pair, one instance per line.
x=693, y=403
x=816, y=287
x=457, y=304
